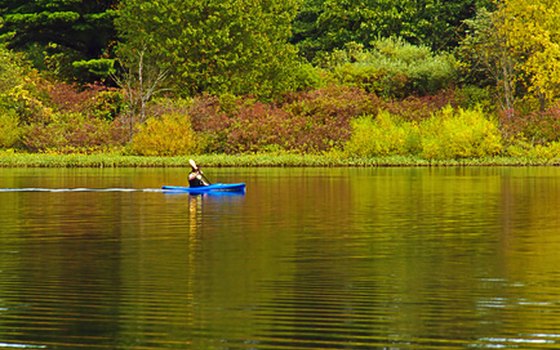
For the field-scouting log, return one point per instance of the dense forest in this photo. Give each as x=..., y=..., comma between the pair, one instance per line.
x=364, y=78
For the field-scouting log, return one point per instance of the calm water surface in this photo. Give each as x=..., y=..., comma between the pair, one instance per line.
x=397, y=258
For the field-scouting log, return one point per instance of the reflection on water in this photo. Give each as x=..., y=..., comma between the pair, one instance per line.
x=390, y=258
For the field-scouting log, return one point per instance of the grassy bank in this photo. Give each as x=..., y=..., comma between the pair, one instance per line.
x=9, y=159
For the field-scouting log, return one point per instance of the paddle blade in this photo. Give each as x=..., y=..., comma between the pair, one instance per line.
x=193, y=164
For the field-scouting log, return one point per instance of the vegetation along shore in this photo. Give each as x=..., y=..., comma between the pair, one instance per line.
x=28, y=160
x=279, y=83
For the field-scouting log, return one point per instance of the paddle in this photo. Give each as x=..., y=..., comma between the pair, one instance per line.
x=196, y=168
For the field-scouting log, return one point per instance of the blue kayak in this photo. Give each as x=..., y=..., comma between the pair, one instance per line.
x=217, y=187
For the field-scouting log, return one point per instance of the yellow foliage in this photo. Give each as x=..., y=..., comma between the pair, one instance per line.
x=460, y=133
x=448, y=134
x=521, y=149
x=381, y=136
x=169, y=135
x=9, y=129
x=532, y=32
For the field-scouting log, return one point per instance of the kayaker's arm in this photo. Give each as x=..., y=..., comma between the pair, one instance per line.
x=196, y=176
x=201, y=177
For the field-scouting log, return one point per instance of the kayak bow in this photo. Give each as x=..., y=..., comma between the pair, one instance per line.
x=217, y=187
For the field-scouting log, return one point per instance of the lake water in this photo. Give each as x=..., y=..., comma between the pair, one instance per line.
x=388, y=258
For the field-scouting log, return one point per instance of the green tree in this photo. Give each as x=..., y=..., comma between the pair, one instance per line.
x=72, y=38
x=215, y=46
x=392, y=68
x=324, y=25
x=487, y=59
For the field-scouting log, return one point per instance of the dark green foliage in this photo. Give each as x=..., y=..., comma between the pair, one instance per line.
x=325, y=25
x=58, y=33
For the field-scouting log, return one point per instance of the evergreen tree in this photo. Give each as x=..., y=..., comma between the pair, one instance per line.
x=72, y=38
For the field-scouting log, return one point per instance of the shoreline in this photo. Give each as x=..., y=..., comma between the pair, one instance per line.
x=38, y=160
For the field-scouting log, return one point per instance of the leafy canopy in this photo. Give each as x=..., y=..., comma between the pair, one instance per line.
x=325, y=25
x=216, y=46
x=532, y=29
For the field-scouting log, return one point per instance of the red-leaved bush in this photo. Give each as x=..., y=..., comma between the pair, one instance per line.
x=417, y=108
x=75, y=133
x=93, y=99
x=538, y=127
x=309, y=122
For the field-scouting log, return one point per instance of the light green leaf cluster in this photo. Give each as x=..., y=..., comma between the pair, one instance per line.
x=448, y=134
x=392, y=68
x=44, y=17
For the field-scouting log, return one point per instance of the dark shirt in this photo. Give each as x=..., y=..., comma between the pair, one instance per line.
x=194, y=181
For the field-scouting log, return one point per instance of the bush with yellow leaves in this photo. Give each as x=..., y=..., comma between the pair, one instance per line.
x=168, y=135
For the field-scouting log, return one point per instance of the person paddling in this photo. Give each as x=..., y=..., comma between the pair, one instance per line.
x=196, y=177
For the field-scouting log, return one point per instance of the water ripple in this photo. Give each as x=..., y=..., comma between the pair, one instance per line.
x=79, y=189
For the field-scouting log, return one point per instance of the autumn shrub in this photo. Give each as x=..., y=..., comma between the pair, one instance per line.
x=521, y=149
x=29, y=106
x=470, y=96
x=10, y=130
x=107, y=104
x=321, y=118
x=383, y=135
x=312, y=121
x=418, y=108
x=69, y=97
x=233, y=125
x=93, y=99
x=257, y=126
x=169, y=135
x=210, y=120
x=458, y=133
x=160, y=106
x=539, y=127
x=21, y=89
x=448, y=134
x=74, y=132
x=12, y=70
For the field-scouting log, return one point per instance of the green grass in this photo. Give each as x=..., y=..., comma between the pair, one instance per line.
x=13, y=159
